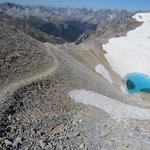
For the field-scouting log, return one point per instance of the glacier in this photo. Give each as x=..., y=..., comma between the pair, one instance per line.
x=131, y=53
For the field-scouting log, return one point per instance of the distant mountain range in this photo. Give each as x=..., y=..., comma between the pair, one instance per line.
x=66, y=23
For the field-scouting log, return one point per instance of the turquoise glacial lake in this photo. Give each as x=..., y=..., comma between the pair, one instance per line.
x=137, y=82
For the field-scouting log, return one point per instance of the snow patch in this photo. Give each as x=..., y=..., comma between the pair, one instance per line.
x=131, y=53
x=100, y=69
x=142, y=17
x=114, y=108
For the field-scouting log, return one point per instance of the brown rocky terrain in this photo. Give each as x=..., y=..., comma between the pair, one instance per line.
x=35, y=109
x=21, y=56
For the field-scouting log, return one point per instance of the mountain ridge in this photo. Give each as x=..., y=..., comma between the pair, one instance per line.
x=66, y=23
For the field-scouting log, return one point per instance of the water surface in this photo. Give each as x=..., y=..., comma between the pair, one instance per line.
x=137, y=82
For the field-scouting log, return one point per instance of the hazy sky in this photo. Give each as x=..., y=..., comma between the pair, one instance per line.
x=119, y=4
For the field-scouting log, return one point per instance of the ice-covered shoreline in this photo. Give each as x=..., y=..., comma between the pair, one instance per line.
x=131, y=53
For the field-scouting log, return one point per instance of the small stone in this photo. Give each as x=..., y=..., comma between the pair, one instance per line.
x=42, y=144
x=17, y=141
x=75, y=123
x=8, y=143
x=80, y=121
x=82, y=146
x=60, y=147
x=26, y=148
x=49, y=146
x=9, y=117
x=76, y=134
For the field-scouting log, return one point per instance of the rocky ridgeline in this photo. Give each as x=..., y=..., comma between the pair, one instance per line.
x=20, y=56
x=62, y=14
x=66, y=23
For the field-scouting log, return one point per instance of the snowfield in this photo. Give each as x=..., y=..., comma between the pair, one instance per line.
x=100, y=69
x=131, y=53
x=114, y=108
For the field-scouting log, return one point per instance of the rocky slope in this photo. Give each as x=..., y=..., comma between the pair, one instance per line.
x=36, y=111
x=43, y=97
x=21, y=56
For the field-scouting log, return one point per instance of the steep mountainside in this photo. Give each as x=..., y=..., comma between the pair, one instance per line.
x=41, y=92
x=20, y=55
x=34, y=32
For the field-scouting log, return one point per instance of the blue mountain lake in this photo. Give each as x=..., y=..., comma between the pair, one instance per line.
x=137, y=82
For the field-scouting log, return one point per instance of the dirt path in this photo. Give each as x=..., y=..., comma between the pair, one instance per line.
x=7, y=91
